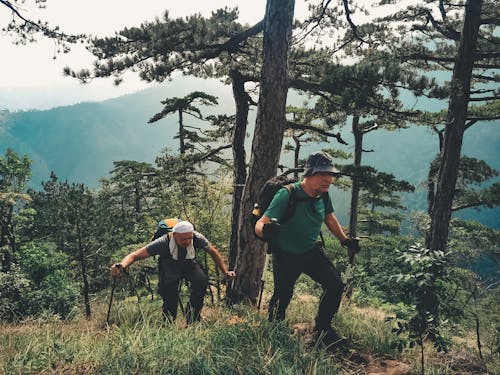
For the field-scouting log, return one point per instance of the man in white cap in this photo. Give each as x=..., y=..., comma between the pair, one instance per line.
x=176, y=252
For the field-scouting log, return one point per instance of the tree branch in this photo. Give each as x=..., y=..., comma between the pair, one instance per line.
x=490, y=21
x=297, y=126
x=469, y=205
x=442, y=10
x=316, y=20
x=470, y=123
x=371, y=128
x=485, y=118
x=440, y=59
x=232, y=45
x=448, y=32
x=351, y=23
x=47, y=31
x=484, y=98
x=212, y=152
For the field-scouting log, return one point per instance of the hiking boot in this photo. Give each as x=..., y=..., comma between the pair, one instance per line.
x=327, y=337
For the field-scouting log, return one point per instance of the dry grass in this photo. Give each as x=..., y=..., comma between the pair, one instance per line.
x=370, y=313
x=82, y=346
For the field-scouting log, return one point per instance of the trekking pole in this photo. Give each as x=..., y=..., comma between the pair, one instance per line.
x=208, y=286
x=111, y=299
x=230, y=287
x=349, y=282
x=263, y=280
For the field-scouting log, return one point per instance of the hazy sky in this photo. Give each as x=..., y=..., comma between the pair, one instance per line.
x=30, y=77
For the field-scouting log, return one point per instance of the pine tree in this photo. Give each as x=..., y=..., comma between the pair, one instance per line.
x=182, y=106
x=267, y=141
x=15, y=172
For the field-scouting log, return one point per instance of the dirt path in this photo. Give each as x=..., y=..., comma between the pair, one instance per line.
x=353, y=361
x=356, y=362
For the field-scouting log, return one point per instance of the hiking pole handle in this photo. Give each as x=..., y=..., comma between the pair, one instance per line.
x=352, y=244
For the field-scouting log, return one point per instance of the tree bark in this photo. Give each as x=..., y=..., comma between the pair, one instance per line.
x=358, y=152
x=182, y=146
x=267, y=142
x=239, y=159
x=454, y=131
x=296, y=154
x=137, y=200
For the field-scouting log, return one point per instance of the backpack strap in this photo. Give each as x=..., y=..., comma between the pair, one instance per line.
x=325, y=198
x=292, y=202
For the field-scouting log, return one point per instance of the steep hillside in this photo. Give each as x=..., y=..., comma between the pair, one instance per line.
x=80, y=142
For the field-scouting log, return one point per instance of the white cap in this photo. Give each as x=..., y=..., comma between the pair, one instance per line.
x=183, y=227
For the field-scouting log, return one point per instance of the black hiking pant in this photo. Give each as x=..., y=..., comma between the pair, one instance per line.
x=171, y=273
x=314, y=263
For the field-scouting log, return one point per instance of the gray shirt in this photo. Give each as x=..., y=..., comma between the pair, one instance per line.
x=160, y=245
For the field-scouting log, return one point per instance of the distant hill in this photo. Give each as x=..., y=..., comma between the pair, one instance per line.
x=407, y=154
x=80, y=142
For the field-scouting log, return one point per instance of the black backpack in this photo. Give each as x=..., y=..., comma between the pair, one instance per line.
x=266, y=195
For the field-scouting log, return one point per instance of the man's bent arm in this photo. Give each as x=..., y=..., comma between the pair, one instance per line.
x=219, y=261
x=334, y=226
x=260, y=224
x=139, y=254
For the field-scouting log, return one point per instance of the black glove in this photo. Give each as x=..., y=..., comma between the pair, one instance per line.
x=352, y=245
x=270, y=230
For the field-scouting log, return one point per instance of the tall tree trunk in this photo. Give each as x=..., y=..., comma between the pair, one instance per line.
x=455, y=127
x=83, y=269
x=239, y=159
x=431, y=187
x=353, y=215
x=182, y=146
x=267, y=141
x=296, y=155
x=358, y=152
x=137, y=200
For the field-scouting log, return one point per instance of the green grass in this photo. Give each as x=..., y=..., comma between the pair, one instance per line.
x=227, y=341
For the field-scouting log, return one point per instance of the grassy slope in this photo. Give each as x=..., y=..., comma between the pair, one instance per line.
x=228, y=341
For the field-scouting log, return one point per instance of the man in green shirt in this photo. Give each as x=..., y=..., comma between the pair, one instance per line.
x=295, y=248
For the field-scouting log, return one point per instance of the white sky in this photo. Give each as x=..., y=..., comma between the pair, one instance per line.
x=30, y=77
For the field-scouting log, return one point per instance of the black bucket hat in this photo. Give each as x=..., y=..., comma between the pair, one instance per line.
x=320, y=162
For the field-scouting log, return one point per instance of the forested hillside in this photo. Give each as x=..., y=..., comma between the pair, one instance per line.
x=80, y=142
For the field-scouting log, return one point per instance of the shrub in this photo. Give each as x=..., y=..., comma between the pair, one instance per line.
x=14, y=287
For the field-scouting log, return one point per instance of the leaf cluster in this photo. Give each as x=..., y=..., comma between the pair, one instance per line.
x=25, y=30
x=470, y=190
x=424, y=279
x=190, y=45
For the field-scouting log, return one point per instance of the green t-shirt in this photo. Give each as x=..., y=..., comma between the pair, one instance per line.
x=300, y=232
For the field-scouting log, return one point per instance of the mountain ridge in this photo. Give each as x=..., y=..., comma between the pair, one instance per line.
x=79, y=142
